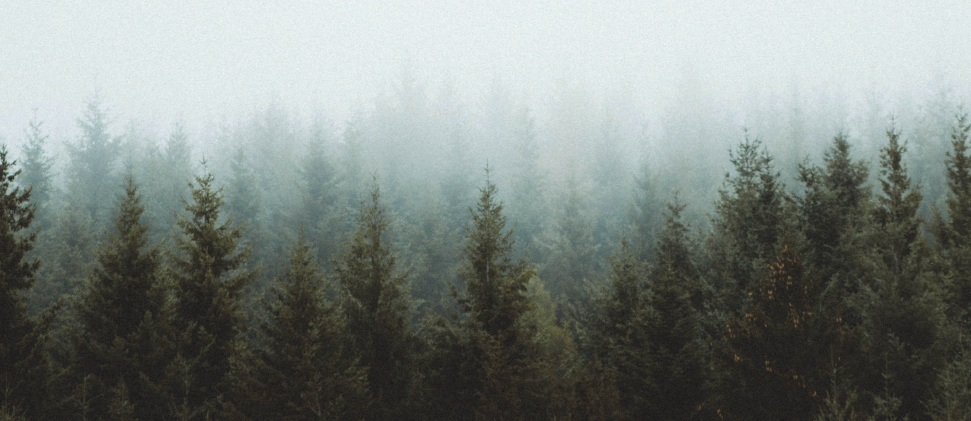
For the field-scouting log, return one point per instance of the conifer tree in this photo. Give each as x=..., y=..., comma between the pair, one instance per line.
x=24, y=371
x=123, y=339
x=485, y=356
x=91, y=173
x=376, y=305
x=572, y=261
x=750, y=215
x=903, y=315
x=678, y=350
x=244, y=205
x=953, y=233
x=832, y=211
x=774, y=360
x=209, y=278
x=309, y=370
x=37, y=172
x=321, y=211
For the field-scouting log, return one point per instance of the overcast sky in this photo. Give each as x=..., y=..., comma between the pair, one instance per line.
x=160, y=60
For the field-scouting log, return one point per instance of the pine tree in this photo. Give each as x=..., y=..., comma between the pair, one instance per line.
x=773, y=362
x=901, y=309
x=832, y=211
x=309, y=371
x=376, y=306
x=321, y=211
x=678, y=350
x=24, y=370
x=91, y=173
x=485, y=356
x=953, y=233
x=572, y=262
x=122, y=341
x=244, y=206
x=750, y=215
x=209, y=278
x=37, y=172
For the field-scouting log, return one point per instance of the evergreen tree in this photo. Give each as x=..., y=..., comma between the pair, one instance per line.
x=572, y=261
x=644, y=216
x=750, y=215
x=485, y=357
x=903, y=315
x=953, y=233
x=309, y=371
x=376, y=306
x=678, y=351
x=209, y=278
x=774, y=361
x=91, y=173
x=24, y=371
x=37, y=173
x=244, y=205
x=321, y=211
x=832, y=211
x=122, y=341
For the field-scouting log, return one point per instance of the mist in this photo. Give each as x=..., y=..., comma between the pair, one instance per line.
x=649, y=178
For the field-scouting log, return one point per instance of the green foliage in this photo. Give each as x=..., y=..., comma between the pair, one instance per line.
x=23, y=364
x=572, y=261
x=209, y=278
x=376, y=305
x=953, y=233
x=91, y=173
x=775, y=359
x=309, y=371
x=37, y=172
x=123, y=339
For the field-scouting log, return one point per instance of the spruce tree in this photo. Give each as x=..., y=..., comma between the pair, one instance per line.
x=952, y=233
x=774, y=361
x=37, y=167
x=123, y=339
x=902, y=313
x=209, y=279
x=485, y=357
x=91, y=173
x=309, y=371
x=376, y=304
x=24, y=371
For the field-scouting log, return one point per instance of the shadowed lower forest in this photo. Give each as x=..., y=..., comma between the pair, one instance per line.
x=420, y=263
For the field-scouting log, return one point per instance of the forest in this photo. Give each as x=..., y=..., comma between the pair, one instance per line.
x=440, y=259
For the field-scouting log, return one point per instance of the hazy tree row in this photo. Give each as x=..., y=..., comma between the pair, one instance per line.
x=284, y=279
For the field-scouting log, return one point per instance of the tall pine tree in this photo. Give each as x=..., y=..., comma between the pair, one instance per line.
x=210, y=275
x=123, y=338
x=376, y=305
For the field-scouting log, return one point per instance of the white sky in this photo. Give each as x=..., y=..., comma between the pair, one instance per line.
x=164, y=60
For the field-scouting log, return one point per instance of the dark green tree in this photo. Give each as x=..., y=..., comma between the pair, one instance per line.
x=903, y=316
x=485, y=356
x=952, y=233
x=833, y=211
x=750, y=215
x=376, y=304
x=774, y=361
x=309, y=371
x=24, y=370
x=122, y=339
x=209, y=279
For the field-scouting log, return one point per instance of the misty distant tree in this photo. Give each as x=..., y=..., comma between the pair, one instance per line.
x=527, y=205
x=24, y=369
x=376, y=305
x=91, y=171
x=167, y=175
x=308, y=368
x=485, y=358
x=209, y=277
x=244, y=204
x=645, y=216
x=321, y=212
x=123, y=339
x=38, y=173
x=572, y=250
x=903, y=316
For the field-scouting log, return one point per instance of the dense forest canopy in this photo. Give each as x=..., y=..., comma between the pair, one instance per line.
x=398, y=219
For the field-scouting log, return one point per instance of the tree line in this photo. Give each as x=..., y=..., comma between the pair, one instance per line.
x=162, y=297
